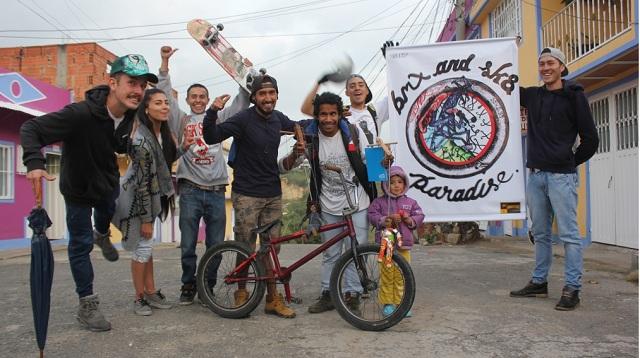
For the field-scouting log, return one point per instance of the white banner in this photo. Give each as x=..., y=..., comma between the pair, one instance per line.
x=454, y=110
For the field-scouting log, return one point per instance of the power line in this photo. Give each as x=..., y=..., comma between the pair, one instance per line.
x=384, y=65
x=95, y=23
x=249, y=16
x=250, y=36
x=60, y=30
x=304, y=50
x=376, y=53
x=443, y=18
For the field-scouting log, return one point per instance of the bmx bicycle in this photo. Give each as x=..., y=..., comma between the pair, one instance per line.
x=229, y=264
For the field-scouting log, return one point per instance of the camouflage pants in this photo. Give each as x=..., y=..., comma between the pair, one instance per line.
x=251, y=212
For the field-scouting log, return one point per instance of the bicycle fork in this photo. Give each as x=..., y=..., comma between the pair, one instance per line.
x=360, y=262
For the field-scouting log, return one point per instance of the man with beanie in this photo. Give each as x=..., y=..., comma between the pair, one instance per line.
x=558, y=113
x=255, y=192
x=91, y=131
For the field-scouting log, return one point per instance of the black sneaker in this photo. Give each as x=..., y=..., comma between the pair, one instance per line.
x=323, y=303
x=103, y=241
x=187, y=295
x=532, y=290
x=569, y=300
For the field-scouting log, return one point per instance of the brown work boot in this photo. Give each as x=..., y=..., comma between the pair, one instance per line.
x=240, y=297
x=275, y=305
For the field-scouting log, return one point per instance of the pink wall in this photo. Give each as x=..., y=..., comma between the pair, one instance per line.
x=14, y=212
x=449, y=29
x=31, y=93
x=24, y=94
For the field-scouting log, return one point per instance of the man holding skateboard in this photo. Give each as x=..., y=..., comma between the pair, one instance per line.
x=202, y=173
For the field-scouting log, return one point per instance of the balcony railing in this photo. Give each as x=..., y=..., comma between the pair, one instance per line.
x=586, y=25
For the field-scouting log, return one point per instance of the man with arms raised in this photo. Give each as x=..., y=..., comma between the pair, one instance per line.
x=202, y=173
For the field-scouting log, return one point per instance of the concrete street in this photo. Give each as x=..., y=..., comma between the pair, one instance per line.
x=462, y=309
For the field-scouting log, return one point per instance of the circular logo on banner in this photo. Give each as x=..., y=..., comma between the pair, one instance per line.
x=457, y=128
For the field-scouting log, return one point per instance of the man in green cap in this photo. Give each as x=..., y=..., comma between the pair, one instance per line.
x=91, y=131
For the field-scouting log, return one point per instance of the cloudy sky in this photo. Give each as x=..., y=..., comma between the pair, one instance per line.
x=295, y=40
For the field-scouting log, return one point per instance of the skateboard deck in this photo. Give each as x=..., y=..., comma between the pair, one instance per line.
x=212, y=41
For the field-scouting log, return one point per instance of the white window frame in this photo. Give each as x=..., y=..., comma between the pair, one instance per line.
x=21, y=169
x=506, y=19
x=7, y=169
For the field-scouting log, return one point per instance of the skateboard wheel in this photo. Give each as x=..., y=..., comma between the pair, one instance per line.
x=220, y=27
x=263, y=71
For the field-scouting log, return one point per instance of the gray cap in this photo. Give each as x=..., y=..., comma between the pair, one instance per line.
x=558, y=55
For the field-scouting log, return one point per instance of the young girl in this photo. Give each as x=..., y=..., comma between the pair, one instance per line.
x=395, y=209
x=146, y=193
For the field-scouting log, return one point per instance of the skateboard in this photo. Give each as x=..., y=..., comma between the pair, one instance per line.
x=212, y=41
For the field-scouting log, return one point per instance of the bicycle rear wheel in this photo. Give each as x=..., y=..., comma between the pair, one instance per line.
x=225, y=290
x=364, y=309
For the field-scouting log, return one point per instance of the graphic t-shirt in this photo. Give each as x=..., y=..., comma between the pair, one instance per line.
x=203, y=163
x=362, y=119
x=332, y=196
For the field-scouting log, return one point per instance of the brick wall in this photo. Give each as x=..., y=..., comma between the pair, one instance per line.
x=86, y=64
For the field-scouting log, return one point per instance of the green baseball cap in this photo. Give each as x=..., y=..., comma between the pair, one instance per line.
x=134, y=66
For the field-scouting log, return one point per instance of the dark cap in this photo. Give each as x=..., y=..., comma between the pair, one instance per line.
x=260, y=82
x=134, y=66
x=369, y=95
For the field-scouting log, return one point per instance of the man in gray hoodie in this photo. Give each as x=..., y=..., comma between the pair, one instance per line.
x=202, y=173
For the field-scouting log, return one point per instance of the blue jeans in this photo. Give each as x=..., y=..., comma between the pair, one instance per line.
x=81, y=238
x=549, y=195
x=196, y=203
x=332, y=254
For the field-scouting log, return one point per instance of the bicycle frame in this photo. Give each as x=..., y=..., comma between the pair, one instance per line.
x=283, y=274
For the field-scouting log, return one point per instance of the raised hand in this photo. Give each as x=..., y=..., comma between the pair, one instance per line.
x=219, y=102
x=166, y=52
x=386, y=45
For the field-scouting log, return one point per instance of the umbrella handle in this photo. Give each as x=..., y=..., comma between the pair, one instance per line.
x=37, y=192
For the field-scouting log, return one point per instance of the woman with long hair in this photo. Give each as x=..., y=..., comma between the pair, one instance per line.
x=146, y=193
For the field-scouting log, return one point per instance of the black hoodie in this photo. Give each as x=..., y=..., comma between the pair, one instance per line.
x=89, y=171
x=554, y=120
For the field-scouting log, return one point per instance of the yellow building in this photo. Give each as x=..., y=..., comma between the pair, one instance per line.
x=600, y=40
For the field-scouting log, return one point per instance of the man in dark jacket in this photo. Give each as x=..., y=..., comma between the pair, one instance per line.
x=91, y=132
x=558, y=112
x=256, y=194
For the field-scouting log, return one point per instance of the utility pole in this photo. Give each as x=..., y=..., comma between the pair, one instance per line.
x=460, y=25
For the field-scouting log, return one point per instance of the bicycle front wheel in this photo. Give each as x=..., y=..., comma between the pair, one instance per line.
x=227, y=291
x=361, y=298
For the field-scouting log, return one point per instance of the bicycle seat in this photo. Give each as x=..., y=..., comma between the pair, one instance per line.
x=261, y=230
